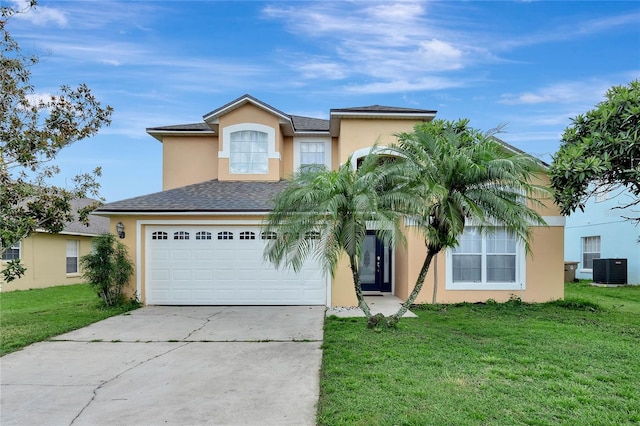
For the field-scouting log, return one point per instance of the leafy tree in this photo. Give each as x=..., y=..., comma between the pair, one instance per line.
x=600, y=150
x=33, y=130
x=108, y=268
x=324, y=214
x=461, y=175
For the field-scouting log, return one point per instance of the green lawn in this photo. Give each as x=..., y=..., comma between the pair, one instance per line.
x=567, y=363
x=35, y=315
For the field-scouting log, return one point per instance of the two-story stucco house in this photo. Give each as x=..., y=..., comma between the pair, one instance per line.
x=602, y=232
x=199, y=241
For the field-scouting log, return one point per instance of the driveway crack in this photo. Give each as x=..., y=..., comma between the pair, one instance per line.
x=105, y=382
x=205, y=322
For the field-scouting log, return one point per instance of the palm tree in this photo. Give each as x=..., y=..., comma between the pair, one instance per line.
x=462, y=175
x=324, y=214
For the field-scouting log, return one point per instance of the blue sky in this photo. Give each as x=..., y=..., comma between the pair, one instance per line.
x=530, y=64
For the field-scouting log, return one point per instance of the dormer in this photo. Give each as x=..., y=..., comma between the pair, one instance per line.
x=251, y=137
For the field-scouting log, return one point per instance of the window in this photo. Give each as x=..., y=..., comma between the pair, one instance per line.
x=269, y=236
x=72, y=256
x=159, y=235
x=181, y=235
x=312, y=235
x=12, y=253
x=249, y=152
x=247, y=235
x=311, y=153
x=203, y=235
x=225, y=235
x=590, y=251
x=483, y=262
x=248, y=146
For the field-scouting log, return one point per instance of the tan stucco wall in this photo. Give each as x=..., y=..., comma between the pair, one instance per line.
x=188, y=159
x=362, y=133
x=286, y=165
x=342, y=290
x=129, y=241
x=547, y=206
x=44, y=255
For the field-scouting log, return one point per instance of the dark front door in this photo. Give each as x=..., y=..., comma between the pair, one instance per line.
x=375, y=264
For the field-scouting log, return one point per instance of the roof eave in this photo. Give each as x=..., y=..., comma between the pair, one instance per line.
x=159, y=134
x=337, y=115
x=230, y=212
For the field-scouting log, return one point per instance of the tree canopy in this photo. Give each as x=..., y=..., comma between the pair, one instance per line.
x=600, y=150
x=34, y=128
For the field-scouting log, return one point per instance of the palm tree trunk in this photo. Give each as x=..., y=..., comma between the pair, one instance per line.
x=434, y=298
x=431, y=252
x=353, y=260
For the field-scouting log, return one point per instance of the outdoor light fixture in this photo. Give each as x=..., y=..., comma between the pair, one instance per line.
x=120, y=229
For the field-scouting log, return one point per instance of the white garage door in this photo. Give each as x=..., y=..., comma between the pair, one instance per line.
x=222, y=265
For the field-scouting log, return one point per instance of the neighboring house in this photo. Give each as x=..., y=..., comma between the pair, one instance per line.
x=53, y=259
x=601, y=232
x=199, y=241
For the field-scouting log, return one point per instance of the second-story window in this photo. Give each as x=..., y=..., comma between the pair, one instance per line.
x=312, y=154
x=249, y=152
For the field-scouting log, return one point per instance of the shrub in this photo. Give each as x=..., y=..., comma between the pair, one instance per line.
x=108, y=269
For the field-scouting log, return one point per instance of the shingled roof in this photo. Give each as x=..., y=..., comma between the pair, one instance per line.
x=384, y=109
x=292, y=124
x=97, y=225
x=192, y=127
x=209, y=196
x=308, y=124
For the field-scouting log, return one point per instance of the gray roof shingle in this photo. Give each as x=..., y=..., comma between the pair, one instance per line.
x=309, y=124
x=209, y=196
x=97, y=224
x=203, y=127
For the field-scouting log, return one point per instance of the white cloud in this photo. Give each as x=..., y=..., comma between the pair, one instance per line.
x=589, y=92
x=40, y=15
x=397, y=45
x=395, y=86
x=322, y=70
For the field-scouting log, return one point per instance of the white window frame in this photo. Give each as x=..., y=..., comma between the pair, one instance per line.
x=226, y=141
x=583, y=241
x=18, y=247
x=518, y=284
x=75, y=246
x=297, y=151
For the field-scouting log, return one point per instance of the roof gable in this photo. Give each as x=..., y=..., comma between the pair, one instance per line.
x=213, y=116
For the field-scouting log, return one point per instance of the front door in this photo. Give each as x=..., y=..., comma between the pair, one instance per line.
x=375, y=264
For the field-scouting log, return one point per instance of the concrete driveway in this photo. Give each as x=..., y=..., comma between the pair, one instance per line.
x=172, y=366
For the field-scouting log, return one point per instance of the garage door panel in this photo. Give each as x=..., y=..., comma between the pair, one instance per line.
x=178, y=275
x=161, y=255
x=180, y=254
x=200, y=254
x=223, y=271
x=202, y=275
